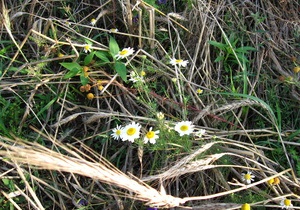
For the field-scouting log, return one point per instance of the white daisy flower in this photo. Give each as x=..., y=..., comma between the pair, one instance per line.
x=286, y=204
x=200, y=133
x=131, y=132
x=184, y=128
x=116, y=132
x=93, y=22
x=124, y=53
x=87, y=48
x=248, y=177
x=151, y=136
x=179, y=62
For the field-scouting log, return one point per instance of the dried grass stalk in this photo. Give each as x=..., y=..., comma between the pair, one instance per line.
x=44, y=158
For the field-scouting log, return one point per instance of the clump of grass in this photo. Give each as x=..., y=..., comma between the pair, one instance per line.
x=72, y=85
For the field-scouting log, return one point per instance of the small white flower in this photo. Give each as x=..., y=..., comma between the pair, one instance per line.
x=87, y=48
x=116, y=132
x=286, y=203
x=124, y=53
x=160, y=115
x=93, y=22
x=248, y=177
x=113, y=30
x=151, y=136
x=179, y=62
x=184, y=128
x=135, y=78
x=130, y=132
x=200, y=133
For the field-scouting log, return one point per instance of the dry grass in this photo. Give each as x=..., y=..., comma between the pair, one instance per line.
x=65, y=136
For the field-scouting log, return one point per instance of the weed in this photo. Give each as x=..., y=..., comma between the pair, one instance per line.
x=149, y=104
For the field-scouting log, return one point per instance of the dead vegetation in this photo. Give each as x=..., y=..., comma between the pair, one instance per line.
x=55, y=144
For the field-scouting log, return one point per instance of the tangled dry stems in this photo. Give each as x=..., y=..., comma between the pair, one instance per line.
x=208, y=110
x=40, y=157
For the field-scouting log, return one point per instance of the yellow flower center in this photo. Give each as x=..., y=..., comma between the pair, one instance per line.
x=276, y=181
x=184, y=128
x=87, y=47
x=247, y=176
x=124, y=52
x=287, y=202
x=199, y=91
x=150, y=134
x=118, y=132
x=271, y=181
x=143, y=73
x=131, y=131
x=179, y=61
x=246, y=206
x=113, y=30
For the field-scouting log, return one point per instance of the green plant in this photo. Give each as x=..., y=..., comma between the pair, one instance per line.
x=106, y=59
x=232, y=56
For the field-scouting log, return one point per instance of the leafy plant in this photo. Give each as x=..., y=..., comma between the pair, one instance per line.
x=105, y=59
x=231, y=55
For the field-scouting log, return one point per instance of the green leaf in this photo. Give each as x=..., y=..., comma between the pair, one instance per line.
x=218, y=45
x=88, y=42
x=293, y=135
x=84, y=80
x=6, y=182
x=71, y=73
x=103, y=56
x=121, y=70
x=219, y=58
x=47, y=106
x=113, y=47
x=71, y=65
x=241, y=57
x=245, y=49
x=88, y=58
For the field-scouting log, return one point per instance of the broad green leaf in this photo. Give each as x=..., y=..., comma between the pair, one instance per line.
x=84, y=80
x=218, y=45
x=73, y=68
x=71, y=73
x=5, y=181
x=113, y=47
x=71, y=65
x=103, y=56
x=88, y=58
x=121, y=70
